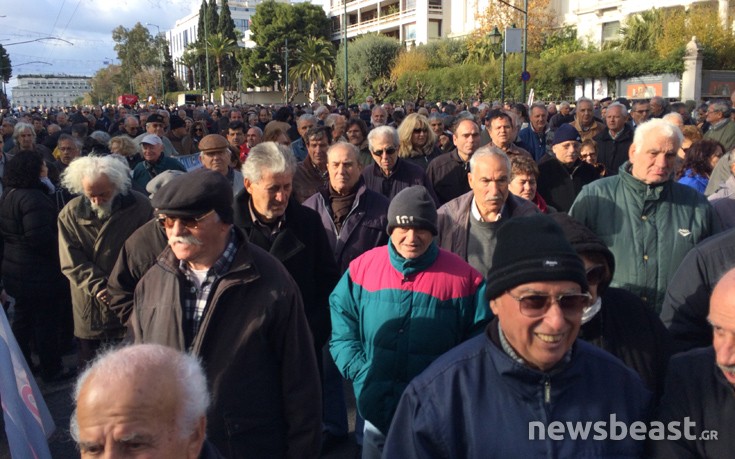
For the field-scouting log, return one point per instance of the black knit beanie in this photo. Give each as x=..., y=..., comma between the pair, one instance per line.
x=412, y=208
x=532, y=249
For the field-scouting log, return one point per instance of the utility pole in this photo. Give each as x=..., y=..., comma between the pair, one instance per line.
x=344, y=37
x=286, y=71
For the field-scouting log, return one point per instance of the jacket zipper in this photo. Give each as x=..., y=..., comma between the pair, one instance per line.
x=547, y=390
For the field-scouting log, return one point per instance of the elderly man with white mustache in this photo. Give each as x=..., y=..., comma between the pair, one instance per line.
x=467, y=224
x=213, y=293
x=92, y=229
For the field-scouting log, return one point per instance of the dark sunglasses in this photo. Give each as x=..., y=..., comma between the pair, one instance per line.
x=188, y=222
x=388, y=151
x=420, y=130
x=537, y=304
x=595, y=274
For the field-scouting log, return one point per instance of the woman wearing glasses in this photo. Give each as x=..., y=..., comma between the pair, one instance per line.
x=417, y=140
x=197, y=131
x=617, y=321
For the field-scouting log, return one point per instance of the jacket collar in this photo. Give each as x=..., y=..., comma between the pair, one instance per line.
x=85, y=212
x=407, y=266
x=649, y=192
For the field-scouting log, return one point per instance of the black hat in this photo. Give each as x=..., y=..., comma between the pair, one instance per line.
x=154, y=118
x=532, y=249
x=413, y=207
x=584, y=240
x=564, y=133
x=194, y=194
x=175, y=122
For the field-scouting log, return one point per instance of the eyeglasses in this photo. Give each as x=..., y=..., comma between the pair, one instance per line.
x=595, y=274
x=642, y=111
x=387, y=151
x=420, y=130
x=537, y=304
x=188, y=222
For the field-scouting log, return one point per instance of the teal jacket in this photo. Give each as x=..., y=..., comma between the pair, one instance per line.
x=649, y=229
x=142, y=172
x=392, y=317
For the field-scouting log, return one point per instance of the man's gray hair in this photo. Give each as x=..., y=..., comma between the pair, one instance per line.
x=307, y=117
x=331, y=119
x=619, y=106
x=268, y=156
x=68, y=137
x=127, y=362
x=719, y=106
x=382, y=132
x=539, y=105
x=673, y=117
x=321, y=110
x=584, y=99
x=258, y=130
x=564, y=104
x=22, y=127
x=92, y=168
x=351, y=149
x=657, y=126
x=100, y=136
x=490, y=151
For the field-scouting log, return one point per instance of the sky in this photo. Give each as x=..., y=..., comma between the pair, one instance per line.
x=86, y=24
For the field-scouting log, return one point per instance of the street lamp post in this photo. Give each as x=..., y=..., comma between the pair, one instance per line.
x=523, y=11
x=344, y=37
x=497, y=38
x=160, y=56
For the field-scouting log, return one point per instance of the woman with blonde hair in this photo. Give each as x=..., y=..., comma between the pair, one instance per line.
x=417, y=140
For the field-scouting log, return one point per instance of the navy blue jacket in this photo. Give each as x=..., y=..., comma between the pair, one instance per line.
x=476, y=401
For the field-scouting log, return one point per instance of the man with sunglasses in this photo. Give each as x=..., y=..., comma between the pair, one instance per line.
x=487, y=397
x=391, y=174
x=233, y=305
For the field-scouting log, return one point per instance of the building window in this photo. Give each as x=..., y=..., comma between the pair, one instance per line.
x=410, y=32
x=435, y=29
x=610, y=31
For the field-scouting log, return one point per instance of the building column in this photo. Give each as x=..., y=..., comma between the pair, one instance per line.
x=691, y=79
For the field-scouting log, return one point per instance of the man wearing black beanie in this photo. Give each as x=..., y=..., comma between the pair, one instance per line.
x=497, y=394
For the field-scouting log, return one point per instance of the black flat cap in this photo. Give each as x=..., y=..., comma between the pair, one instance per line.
x=194, y=194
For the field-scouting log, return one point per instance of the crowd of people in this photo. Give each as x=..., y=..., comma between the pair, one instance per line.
x=472, y=269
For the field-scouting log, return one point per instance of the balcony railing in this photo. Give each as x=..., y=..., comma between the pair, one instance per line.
x=381, y=21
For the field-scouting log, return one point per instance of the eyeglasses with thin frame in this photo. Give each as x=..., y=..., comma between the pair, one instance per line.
x=188, y=222
x=388, y=151
x=536, y=305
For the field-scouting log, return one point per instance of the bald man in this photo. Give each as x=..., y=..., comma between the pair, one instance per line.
x=700, y=385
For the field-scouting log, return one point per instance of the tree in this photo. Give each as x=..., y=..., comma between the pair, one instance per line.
x=6, y=72
x=226, y=26
x=135, y=49
x=169, y=76
x=541, y=19
x=409, y=61
x=272, y=24
x=370, y=59
x=642, y=31
x=220, y=47
x=190, y=60
x=107, y=83
x=313, y=63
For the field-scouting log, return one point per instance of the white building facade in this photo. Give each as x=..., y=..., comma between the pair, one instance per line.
x=412, y=22
x=49, y=90
x=186, y=29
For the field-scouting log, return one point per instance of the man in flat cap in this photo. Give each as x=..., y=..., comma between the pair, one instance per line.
x=215, y=156
x=501, y=394
x=233, y=305
x=154, y=161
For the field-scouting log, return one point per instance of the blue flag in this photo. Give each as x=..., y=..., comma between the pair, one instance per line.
x=28, y=422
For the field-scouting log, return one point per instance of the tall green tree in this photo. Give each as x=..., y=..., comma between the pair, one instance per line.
x=136, y=49
x=169, y=76
x=226, y=27
x=313, y=63
x=107, y=83
x=190, y=60
x=221, y=47
x=6, y=71
x=272, y=24
x=370, y=60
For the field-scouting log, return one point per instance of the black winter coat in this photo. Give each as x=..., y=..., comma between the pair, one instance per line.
x=303, y=248
x=28, y=227
x=559, y=185
x=613, y=152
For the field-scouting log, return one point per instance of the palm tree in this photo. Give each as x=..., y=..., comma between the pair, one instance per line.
x=189, y=59
x=221, y=47
x=642, y=31
x=314, y=62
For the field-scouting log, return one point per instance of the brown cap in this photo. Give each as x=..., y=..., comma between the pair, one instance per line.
x=213, y=142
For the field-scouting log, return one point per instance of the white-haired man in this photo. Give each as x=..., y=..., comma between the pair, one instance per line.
x=142, y=401
x=657, y=221
x=92, y=229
